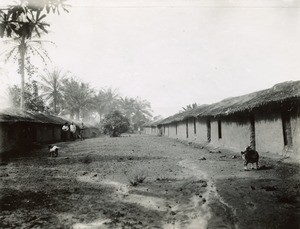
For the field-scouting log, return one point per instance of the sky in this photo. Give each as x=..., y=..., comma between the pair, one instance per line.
x=174, y=52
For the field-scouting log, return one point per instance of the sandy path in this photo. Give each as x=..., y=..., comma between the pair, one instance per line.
x=88, y=186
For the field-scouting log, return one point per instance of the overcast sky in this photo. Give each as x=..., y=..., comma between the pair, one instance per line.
x=174, y=53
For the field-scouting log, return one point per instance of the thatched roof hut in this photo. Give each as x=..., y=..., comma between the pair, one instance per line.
x=18, y=115
x=152, y=123
x=280, y=93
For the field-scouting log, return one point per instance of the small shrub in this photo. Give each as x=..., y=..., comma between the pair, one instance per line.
x=137, y=179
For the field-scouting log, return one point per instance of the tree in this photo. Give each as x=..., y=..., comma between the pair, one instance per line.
x=33, y=47
x=190, y=107
x=138, y=111
x=51, y=83
x=22, y=21
x=106, y=101
x=78, y=98
x=142, y=112
x=33, y=100
x=115, y=124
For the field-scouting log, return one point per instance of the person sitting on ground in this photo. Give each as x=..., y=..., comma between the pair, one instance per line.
x=73, y=131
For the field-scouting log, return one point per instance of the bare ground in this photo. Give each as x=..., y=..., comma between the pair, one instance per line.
x=145, y=182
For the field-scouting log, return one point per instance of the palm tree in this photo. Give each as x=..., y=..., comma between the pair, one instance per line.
x=189, y=107
x=51, y=82
x=106, y=101
x=21, y=22
x=78, y=98
x=138, y=111
x=19, y=49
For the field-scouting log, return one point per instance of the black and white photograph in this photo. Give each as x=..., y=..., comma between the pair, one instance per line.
x=150, y=114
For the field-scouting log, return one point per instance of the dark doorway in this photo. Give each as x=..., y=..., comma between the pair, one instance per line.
x=219, y=129
x=286, y=128
x=187, y=128
x=252, y=132
x=208, y=130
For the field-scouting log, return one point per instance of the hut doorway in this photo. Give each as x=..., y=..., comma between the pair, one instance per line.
x=187, y=128
x=252, y=132
x=286, y=129
x=208, y=127
x=219, y=129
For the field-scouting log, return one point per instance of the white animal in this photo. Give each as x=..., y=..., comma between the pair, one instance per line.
x=53, y=151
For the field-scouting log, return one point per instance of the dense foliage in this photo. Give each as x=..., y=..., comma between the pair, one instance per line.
x=58, y=93
x=114, y=124
x=32, y=100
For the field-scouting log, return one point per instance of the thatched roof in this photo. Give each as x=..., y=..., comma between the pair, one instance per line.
x=152, y=123
x=279, y=93
x=18, y=115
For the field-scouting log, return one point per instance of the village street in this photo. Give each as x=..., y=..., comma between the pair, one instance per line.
x=144, y=181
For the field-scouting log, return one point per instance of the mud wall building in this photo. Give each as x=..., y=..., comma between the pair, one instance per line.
x=19, y=129
x=152, y=128
x=268, y=120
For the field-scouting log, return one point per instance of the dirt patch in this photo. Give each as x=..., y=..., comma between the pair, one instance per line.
x=89, y=186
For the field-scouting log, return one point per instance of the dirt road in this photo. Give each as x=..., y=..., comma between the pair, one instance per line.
x=145, y=182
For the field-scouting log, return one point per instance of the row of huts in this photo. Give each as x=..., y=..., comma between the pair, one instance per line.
x=267, y=120
x=19, y=129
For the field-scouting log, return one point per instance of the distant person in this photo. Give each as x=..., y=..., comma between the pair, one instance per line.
x=65, y=129
x=139, y=130
x=73, y=131
x=82, y=127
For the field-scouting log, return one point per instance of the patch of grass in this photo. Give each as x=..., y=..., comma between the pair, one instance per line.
x=86, y=160
x=137, y=179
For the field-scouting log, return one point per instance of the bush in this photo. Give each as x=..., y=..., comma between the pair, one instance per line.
x=137, y=179
x=115, y=124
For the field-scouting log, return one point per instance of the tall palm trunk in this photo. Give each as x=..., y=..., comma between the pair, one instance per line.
x=54, y=104
x=22, y=71
x=55, y=101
